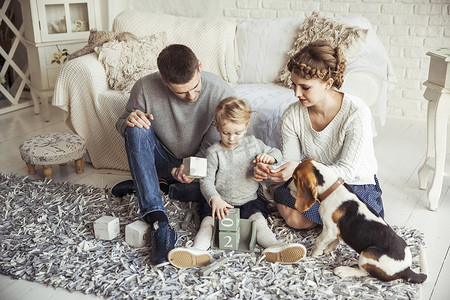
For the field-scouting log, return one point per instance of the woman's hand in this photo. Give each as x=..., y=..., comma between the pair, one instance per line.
x=139, y=119
x=264, y=158
x=178, y=174
x=261, y=171
x=283, y=172
x=219, y=207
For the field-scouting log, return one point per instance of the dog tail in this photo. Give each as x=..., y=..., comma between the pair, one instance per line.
x=423, y=261
x=412, y=276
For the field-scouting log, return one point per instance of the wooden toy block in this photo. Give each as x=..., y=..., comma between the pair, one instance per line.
x=230, y=222
x=247, y=235
x=229, y=240
x=196, y=220
x=187, y=220
x=106, y=228
x=136, y=234
x=195, y=167
x=213, y=266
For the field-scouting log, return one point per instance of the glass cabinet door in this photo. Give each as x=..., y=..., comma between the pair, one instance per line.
x=65, y=20
x=79, y=17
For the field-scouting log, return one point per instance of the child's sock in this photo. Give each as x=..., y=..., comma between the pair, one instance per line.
x=202, y=240
x=264, y=236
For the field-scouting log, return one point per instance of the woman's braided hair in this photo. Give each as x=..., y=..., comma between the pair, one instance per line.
x=319, y=60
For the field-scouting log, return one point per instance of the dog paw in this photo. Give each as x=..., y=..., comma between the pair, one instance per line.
x=331, y=247
x=346, y=271
x=342, y=271
x=316, y=251
x=328, y=250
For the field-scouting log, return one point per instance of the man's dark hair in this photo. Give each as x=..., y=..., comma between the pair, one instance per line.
x=177, y=64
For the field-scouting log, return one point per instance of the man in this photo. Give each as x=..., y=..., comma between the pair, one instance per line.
x=168, y=117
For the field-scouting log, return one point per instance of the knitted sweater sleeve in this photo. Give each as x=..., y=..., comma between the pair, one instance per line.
x=136, y=101
x=290, y=139
x=207, y=184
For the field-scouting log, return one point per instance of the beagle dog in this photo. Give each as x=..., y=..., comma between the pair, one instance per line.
x=383, y=254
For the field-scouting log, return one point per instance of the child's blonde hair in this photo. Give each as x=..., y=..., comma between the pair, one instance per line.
x=233, y=110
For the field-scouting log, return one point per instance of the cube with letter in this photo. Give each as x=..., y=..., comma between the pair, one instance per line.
x=136, y=233
x=195, y=167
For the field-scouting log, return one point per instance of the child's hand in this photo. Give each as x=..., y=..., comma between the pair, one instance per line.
x=219, y=207
x=264, y=158
x=261, y=171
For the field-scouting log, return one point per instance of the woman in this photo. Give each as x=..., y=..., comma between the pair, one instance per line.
x=332, y=127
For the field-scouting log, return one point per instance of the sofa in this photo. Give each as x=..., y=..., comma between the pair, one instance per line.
x=250, y=54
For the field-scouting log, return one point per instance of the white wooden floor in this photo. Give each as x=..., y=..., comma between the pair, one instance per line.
x=400, y=148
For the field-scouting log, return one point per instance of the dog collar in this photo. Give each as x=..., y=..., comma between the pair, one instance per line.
x=331, y=189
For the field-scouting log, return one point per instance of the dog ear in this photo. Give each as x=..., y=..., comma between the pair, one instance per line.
x=306, y=192
x=306, y=183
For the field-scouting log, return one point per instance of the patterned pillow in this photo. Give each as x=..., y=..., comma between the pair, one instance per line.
x=126, y=62
x=349, y=38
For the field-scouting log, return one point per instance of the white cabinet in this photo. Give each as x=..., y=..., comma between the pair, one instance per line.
x=51, y=25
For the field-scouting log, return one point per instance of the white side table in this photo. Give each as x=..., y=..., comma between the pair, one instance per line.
x=438, y=95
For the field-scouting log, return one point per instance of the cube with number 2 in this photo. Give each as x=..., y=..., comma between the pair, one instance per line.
x=229, y=240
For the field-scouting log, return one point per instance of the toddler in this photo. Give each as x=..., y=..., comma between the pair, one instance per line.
x=229, y=183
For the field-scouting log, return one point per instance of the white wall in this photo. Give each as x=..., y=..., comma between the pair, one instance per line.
x=407, y=28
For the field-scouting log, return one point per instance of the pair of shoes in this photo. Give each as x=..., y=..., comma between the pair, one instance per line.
x=189, y=257
x=285, y=253
x=123, y=188
x=127, y=188
x=163, y=240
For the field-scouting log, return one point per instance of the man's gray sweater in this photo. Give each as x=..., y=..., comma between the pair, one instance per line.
x=183, y=128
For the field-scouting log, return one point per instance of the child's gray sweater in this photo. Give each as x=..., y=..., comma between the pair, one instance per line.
x=230, y=172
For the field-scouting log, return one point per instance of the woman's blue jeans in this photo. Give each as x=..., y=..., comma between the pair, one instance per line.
x=149, y=161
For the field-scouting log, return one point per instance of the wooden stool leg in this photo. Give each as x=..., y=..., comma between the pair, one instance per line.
x=31, y=169
x=48, y=172
x=79, y=163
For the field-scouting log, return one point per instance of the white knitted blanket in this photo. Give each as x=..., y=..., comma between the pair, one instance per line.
x=93, y=108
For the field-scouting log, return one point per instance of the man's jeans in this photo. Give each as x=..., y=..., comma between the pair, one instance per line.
x=149, y=161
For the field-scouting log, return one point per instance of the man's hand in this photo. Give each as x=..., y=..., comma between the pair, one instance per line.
x=219, y=207
x=139, y=119
x=178, y=174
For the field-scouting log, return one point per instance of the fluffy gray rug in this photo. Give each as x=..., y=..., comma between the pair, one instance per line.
x=42, y=225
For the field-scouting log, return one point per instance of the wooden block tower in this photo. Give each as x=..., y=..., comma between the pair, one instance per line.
x=229, y=230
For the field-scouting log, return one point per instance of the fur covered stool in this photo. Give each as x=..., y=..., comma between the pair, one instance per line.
x=51, y=149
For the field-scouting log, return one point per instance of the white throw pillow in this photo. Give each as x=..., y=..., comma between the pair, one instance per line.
x=263, y=45
x=126, y=62
x=212, y=40
x=348, y=38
